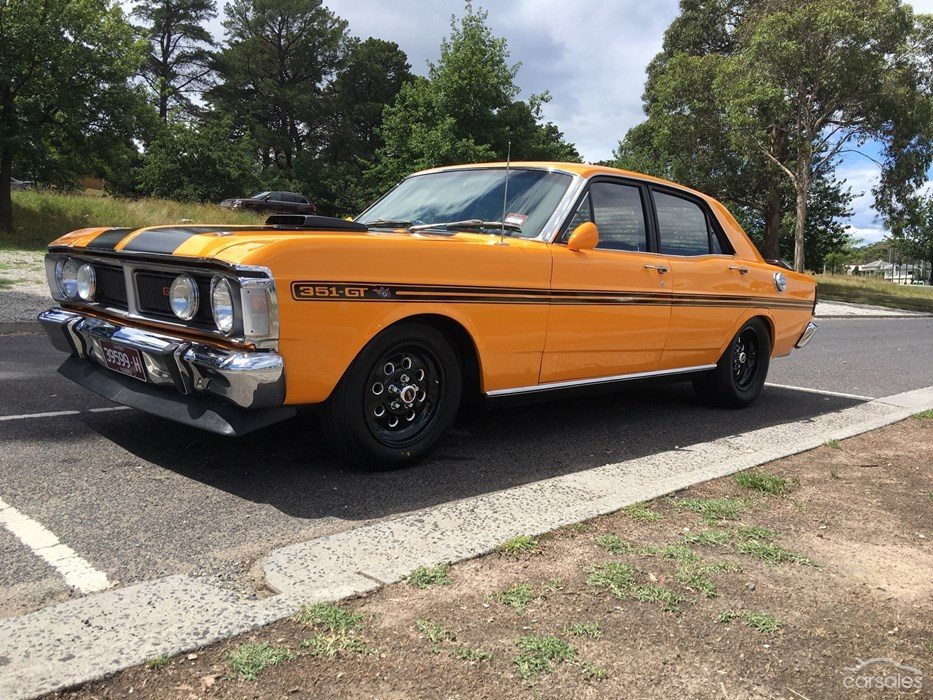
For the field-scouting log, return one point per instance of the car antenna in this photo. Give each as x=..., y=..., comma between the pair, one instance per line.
x=505, y=194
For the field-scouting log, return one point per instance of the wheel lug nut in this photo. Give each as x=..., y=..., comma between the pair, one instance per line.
x=395, y=405
x=393, y=389
x=404, y=379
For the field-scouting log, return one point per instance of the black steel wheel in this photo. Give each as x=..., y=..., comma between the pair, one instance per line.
x=397, y=400
x=742, y=370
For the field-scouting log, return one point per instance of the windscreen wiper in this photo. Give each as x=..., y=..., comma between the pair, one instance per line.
x=468, y=224
x=387, y=223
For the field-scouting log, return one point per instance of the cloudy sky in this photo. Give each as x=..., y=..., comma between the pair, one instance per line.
x=590, y=54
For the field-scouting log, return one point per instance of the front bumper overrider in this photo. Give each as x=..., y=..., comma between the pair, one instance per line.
x=224, y=391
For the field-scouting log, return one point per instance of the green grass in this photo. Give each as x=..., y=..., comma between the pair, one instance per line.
x=249, y=660
x=771, y=552
x=434, y=631
x=708, y=538
x=329, y=617
x=538, y=655
x=465, y=653
x=833, y=444
x=426, y=576
x=642, y=512
x=761, y=621
x=618, y=579
x=585, y=629
x=698, y=576
x=41, y=217
x=864, y=290
x=614, y=544
x=713, y=509
x=591, y=672
x=764, y=482
x=653, y=592
x=517, y=546
x=924, y=415
x=517, y=597
x=159, y=662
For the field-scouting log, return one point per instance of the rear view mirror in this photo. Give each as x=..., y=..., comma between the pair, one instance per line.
x=584, y=237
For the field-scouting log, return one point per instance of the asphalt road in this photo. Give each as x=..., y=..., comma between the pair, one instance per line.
x=140, y=498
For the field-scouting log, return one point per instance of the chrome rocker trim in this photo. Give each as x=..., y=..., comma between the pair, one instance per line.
x=573, y=383
x=213, y=387
x=806, y=335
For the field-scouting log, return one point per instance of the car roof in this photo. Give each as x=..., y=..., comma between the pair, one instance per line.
x=586, y=170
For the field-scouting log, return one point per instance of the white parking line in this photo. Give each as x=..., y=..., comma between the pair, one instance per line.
x=821, y=391
x=56, y=414
x=77, y=572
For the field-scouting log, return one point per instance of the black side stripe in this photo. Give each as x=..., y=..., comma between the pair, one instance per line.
x=357, y=291
x=166, y=241
x=108, y=240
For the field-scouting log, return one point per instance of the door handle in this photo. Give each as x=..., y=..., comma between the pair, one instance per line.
x=660, y=268
x=742, y=270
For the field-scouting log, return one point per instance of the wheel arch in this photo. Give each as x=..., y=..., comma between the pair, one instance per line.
x=763, y=314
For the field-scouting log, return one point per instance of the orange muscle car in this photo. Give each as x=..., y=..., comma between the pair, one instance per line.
x=495, y=280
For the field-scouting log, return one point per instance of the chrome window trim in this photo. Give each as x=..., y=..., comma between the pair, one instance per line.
x=568, y=384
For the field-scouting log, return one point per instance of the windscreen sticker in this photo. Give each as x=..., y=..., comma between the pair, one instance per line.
x=517, y=219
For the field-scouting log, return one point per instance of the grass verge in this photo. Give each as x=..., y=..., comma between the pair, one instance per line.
x=864, y=290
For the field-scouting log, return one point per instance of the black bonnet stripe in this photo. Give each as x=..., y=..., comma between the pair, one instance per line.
x=108, y=240
x=167, y=240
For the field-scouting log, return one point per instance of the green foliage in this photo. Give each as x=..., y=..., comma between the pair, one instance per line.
x=67, y=103
x=465, y=653
x=249, y=660
x=539, y=655
x=466, y=110
x=708, y=538
x=199, y=163
x=434, y=631
x=697, y=576
x=713, y=509
x=330, y=617
x=426, y=576
x=178, y=63
x=924, y=415
x=331, y=645
x=614, y=544
x=643, y=512
x=761, y=621
x=771, y=552
x=764, y=482
x=614, y=577
x=517, y=597
x=521, y=544
x=586, y=629
x=42, y=216
x=159, y=662
x=652, y=592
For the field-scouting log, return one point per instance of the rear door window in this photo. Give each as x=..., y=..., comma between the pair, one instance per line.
x=683, y=228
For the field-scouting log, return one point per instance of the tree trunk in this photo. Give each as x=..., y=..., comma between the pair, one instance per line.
x=772, y=249
x=6, y=204
x=802, y=187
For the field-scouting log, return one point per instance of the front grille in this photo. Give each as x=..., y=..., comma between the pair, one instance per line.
x=152, y=294
x=111, y=286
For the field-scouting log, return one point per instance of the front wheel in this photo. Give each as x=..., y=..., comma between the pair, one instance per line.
x=741, y=371
x=397, y=400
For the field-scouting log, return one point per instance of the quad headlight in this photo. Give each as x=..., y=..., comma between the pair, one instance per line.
x=66, y=276
x=222, y=304
x=86, y=282
x=183, y=297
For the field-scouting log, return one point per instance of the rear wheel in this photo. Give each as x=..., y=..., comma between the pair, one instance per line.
x=741, y=371
x=397, y=400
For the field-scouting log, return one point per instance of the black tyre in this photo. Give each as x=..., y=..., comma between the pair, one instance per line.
x=397, y=400
x=741, y=371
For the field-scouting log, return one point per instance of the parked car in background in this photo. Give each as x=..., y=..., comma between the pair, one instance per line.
x=273, y=203
x=495, y=280
x=22, y=184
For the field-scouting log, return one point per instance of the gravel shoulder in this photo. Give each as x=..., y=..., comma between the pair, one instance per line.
x=768, y=584
x=24, y=291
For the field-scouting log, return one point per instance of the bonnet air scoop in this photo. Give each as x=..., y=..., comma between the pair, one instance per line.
x=313, y=223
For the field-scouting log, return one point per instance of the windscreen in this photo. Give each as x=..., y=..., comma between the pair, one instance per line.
x=458, y=195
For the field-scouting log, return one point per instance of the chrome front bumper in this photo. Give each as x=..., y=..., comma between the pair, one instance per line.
x=245, y=379
x=806, y=335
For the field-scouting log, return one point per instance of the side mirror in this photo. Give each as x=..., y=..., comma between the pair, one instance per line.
x=584, y=237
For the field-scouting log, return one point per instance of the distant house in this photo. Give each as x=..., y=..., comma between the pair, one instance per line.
x=898, y=273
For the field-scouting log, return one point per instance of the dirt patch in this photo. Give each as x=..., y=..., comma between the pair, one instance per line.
x=719, y=591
